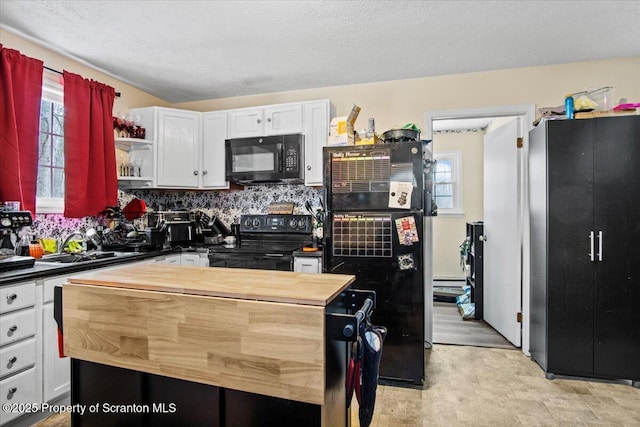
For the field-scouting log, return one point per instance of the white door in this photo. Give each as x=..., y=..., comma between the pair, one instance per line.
x=502, y=257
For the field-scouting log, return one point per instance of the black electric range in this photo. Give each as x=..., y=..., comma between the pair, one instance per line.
x=267, y=242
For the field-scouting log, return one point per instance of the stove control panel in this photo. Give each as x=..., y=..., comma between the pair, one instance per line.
x=283, y=224
x=15, y=219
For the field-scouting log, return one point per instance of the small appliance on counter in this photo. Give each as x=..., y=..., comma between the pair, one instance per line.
x=10, y=223
x=170, y=227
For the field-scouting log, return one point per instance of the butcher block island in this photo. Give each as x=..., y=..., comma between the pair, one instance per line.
x=175, y=345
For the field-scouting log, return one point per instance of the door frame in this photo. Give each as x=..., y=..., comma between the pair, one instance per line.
x=527, y=113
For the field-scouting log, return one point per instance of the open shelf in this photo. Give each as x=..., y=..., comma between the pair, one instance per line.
x=127, y=143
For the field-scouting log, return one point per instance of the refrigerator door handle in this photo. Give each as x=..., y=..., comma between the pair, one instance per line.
x=591, y=244
x=600, y=245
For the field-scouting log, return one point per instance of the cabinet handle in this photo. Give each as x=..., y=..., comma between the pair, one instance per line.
x=12, y=390
x=195, y=173
x=13, y=328
x=269, y=119
x=259, y=121
x=204, y=172
x=600, y=245
x=11, y=298
x=13, y=360
x=308, y=167
x=591, y=243
x=482, y=238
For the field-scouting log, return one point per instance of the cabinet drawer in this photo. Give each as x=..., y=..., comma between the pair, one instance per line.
x=18, y=325
x=17, y=297
x=17, y=356
x=19, y=388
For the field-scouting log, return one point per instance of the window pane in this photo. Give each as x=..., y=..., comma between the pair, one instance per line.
x=443, y=177
x=58, y=183
x=44, y=182
x=45, y=113
x=44, y=156
x=58, y=119
x=443, y=170
x=444, y=190
x=444, y=202
x=58, y=151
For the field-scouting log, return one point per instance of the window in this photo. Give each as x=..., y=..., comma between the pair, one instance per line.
x=50, y=188
x=448, y=182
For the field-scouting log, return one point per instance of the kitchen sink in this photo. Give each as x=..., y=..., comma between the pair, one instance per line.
x=66, y=258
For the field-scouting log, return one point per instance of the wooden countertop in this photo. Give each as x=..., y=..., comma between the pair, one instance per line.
x=260, y=285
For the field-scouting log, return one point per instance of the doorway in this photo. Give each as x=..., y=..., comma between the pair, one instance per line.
x=454, y=121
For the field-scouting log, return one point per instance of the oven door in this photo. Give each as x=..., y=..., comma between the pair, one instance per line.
x=280, y=262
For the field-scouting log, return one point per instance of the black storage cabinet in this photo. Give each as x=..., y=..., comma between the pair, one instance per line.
x=474, y=259
x=585, y=229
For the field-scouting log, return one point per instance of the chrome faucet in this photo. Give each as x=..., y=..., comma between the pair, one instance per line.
x=68, y=239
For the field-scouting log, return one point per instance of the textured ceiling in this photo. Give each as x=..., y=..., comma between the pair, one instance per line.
x=193, y=50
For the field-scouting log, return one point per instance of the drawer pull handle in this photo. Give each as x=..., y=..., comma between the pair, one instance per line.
x=12, y=390
x=13, y=328
x=13, y=360
x=11, y=298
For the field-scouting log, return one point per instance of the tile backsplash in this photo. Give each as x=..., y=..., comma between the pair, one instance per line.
x=227, y=205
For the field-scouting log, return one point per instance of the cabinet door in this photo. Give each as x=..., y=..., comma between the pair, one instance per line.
x=246, y=123
x=178, y=155
x=283, y=119
x=56, y=369
x=617, y=278
x=214, y=132
x=570, y=269
x=316, y=134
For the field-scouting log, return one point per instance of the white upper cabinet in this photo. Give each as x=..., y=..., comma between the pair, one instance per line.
x=178, y=155
x=316, y=134
x=264, y=121
x=214, y=132
x=186, y=149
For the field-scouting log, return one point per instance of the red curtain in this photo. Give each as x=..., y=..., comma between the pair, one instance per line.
x=20, y=92
x=91, y=183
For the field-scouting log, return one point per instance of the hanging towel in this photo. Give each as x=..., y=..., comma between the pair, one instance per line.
x=372, y=338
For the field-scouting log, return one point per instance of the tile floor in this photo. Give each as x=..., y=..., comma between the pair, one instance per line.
x=474, y=386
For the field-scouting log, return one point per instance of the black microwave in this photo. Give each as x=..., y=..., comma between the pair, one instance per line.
x=263, y=160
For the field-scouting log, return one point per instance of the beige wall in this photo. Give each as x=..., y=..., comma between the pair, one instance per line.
x=130, y=97
x=450, y=231
x=397, y=102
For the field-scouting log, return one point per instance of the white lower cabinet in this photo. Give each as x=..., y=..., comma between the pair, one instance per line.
x=18, y=349
x=197, y=259
x=56, y=370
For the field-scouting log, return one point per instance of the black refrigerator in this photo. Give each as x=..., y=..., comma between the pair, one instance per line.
x=374, y=229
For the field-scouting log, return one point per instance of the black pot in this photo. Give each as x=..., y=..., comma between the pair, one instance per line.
x=401, y=135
